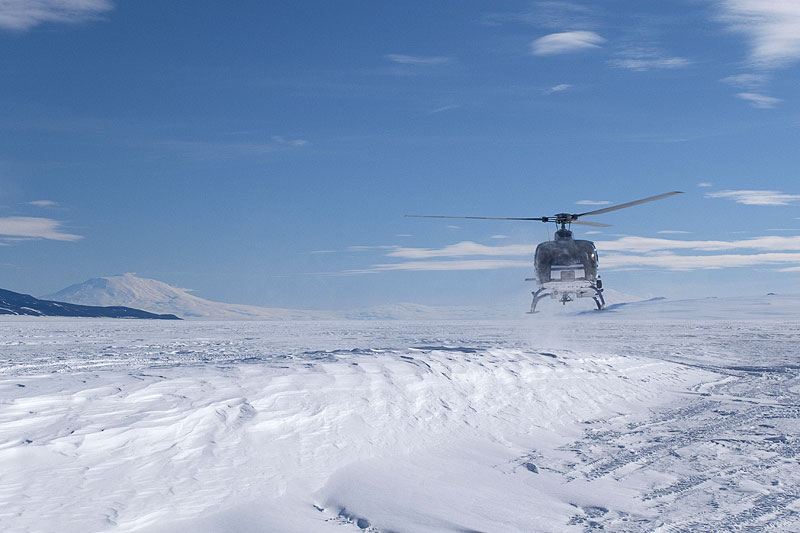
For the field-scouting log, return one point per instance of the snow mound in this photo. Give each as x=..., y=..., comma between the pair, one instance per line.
x=301, y=441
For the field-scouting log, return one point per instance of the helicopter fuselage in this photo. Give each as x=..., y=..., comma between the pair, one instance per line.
x=566, y=269
x=565, y=260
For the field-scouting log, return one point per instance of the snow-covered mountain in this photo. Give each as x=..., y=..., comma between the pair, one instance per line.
x=14, y=303
x=158, y=297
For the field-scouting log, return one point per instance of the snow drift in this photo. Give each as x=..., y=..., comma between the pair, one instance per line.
x=299, y=439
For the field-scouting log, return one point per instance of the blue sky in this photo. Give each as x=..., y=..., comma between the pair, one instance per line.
x=266, y=153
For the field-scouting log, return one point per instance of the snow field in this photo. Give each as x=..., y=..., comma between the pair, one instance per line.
x=426, y=438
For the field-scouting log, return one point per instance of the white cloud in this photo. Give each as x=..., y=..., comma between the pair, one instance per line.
x=561, y=43
x=467, y=264
x=443, y=108
x=228, y=149
x=673, y=232
x=772, y=28
x=747, y=80
x=462, y=249
x=25, y=14
x=419, y=60
x=642, y=59
x=750, y=197
x=34, y=228
x=705, y=184
x=628, y=243
x=367, y=248
x=697, y=262
x=760, y=101
x=650, y=244
x=500, y=237
x=557, y=14
x=592, y=202
x=43, y=203
x=627, y=252
x=558, y=88
x=294, y=143
x=649, y=64
x=643, y=252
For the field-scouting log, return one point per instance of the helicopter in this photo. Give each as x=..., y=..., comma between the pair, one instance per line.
x=566, y=268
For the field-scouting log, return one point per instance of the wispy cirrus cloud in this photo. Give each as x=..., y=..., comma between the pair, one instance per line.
x=756, y=197
x=772, y=32
x=361, y=248
x=443, y=108
x=227, y=149
x=21, y=15
x=747, y=80
x=641, y=59
x=461, y=249
x=408, y=65
x=463, y=264
x=419, y=60
x=555, y=14
x=566, y=42
x=34, y=228
x=760, y=101
x=43, y=203
x=592, y=202
x=771, y=28
x=561, y=87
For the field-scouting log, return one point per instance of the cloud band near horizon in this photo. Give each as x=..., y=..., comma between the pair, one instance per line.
x=34, y=228
x=625, y=253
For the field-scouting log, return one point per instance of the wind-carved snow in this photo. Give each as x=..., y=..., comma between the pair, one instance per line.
x=561, y=425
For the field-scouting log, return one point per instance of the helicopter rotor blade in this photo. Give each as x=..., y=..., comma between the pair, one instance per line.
x=542, y=219
x=590, y=223
x=627, y=204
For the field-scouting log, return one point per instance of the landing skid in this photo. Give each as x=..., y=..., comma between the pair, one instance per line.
x=598, y=298
x=543, y=292
x=537, y=295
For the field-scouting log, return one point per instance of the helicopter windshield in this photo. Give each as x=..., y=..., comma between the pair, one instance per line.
x=566, y=260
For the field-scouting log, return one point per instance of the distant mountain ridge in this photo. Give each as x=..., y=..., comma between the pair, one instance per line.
x=15, y=303
x=159, y=297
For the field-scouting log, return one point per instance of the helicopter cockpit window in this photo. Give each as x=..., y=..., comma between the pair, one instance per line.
x=566, y=260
